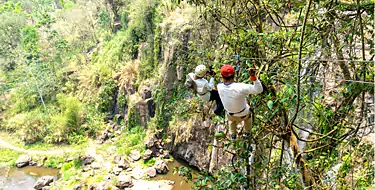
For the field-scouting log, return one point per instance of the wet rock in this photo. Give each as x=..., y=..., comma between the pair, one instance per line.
x=123, y=164
x=96, y=165
x=78, y=187
x=147, y=154
x=165, y=154
x=32, y=163
x=23, y=161
x=171, y=182
x=124, y=181
x=116, y=170
x=117, y=159
x=87, y=159
x=135, y=155
x=42, y=182
x=161, y=167
x=151, y=172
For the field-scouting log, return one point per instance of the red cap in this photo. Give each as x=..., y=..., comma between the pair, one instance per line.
x=227, y=70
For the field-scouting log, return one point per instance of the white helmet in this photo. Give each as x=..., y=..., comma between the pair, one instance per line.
x=200, y=70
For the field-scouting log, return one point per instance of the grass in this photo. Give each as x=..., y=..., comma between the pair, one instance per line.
x=8, y=157
x=131, y=140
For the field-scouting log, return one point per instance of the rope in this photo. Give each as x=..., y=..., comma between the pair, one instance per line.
x=315, y=76
x=322, y=60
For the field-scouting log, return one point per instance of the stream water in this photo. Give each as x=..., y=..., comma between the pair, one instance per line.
x=180, y=183
x=25, y=178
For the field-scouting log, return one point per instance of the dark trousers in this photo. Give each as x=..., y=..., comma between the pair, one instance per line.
x=219, y=106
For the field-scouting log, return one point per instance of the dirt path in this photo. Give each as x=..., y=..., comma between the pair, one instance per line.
x=4, y=144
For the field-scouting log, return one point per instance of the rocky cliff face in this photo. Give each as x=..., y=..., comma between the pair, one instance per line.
x=194, y=142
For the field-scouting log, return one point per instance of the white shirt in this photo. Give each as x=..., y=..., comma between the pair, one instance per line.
x=234, y=95
x=203, y=86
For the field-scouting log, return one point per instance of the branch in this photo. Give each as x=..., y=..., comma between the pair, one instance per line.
x=300, y=62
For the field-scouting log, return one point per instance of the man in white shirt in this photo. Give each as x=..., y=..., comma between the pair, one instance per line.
x=234, y=98
x=204, y=89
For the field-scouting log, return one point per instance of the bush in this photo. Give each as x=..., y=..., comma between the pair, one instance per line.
x=67, y=123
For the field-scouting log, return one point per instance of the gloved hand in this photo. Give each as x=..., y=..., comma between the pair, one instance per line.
x=253, y=76
x=211, y=71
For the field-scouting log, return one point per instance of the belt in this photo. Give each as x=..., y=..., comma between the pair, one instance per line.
x=231, y=114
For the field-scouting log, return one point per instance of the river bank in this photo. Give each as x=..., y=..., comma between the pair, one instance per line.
x=91, y=165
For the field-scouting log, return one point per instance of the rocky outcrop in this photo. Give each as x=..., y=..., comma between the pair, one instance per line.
x=23, y=161
x=161, y=167
x=124, y=181
x=43, y=182
x=193, y=144
x=151, y=172
x=88, y=160
x=135, y=155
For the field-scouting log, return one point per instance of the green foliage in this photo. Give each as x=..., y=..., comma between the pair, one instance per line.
x=54, y=162
x=131, y=139
x=106, y=96
x=11, y=6
x=30, y=38
x=67, y=122
x=104, y=19
x=10, y=31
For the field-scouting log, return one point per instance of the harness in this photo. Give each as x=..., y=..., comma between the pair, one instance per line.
x=231, y=114
x=202, y=94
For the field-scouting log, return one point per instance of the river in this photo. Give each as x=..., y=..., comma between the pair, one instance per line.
x=25, y=178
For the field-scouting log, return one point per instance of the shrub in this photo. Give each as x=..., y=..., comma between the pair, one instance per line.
x=67, y=123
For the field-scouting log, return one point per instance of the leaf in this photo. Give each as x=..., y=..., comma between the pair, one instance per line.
x=259, y=116
x=270, y=104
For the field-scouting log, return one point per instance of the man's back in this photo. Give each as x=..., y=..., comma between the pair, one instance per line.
x=233, y=96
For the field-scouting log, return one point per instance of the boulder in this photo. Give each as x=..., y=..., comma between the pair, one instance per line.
x=150, y=143
x=116, y=170
x=165, y=154
x=138, y=173
x=103, y=137
x=123, y=164
x=161, y=167
x=23, y=160
x=96, y=165
x=78, y=187
x=124, y=181
x=88, y=159
x=116, y=159
x=32, y=163
x=42, y=182
x=104, y=185
x=151, y=172
x=147, y=154
x=135, y=155
x=93, y=187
